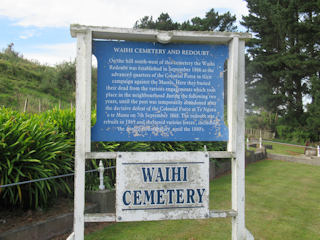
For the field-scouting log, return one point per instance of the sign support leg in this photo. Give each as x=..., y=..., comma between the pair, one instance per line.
x=82, y=131
x=237, y=136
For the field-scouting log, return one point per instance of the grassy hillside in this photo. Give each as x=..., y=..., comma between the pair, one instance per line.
x=21, y=79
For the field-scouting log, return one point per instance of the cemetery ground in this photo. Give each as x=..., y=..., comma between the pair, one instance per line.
x=282, y=148
x=285, y=149
x=282, y=202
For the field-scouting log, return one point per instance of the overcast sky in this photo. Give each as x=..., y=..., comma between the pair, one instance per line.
x=39, y=29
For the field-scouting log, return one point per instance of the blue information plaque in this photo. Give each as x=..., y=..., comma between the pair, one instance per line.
x=156, y=92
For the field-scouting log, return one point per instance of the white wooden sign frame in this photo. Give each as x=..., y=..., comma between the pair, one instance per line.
x=235, y=108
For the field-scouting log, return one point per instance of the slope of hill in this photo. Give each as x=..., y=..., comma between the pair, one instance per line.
x=21, y=79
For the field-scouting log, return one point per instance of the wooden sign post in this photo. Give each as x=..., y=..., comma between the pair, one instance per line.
x=160, y=86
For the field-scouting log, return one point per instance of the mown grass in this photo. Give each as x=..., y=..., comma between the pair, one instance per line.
x=282, y=202
x=285, y=149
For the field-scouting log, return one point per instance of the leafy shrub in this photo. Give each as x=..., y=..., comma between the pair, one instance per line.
x=64, y=120
x=284, y=131
x=158, y=146
x=293, y=134
x=31, y=147
x=300, y=136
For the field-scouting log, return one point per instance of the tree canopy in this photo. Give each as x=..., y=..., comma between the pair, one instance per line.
x=282, y=54
x=283, y=58
x=213, y=21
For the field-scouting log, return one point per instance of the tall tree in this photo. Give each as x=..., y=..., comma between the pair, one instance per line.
x=281, y=56
x=313, y=119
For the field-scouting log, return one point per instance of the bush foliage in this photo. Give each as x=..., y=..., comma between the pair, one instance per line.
x=33, y=147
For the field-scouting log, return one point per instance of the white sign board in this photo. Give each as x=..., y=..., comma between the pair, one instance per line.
x=162, y=186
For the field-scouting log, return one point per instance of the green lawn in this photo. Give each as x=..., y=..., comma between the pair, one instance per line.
x=285, y=149
x=282, y=202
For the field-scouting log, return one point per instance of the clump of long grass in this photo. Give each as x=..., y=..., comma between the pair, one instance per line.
x=32, y=146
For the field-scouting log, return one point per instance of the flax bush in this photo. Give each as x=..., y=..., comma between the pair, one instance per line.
x=64, y=120
x=32, y=147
